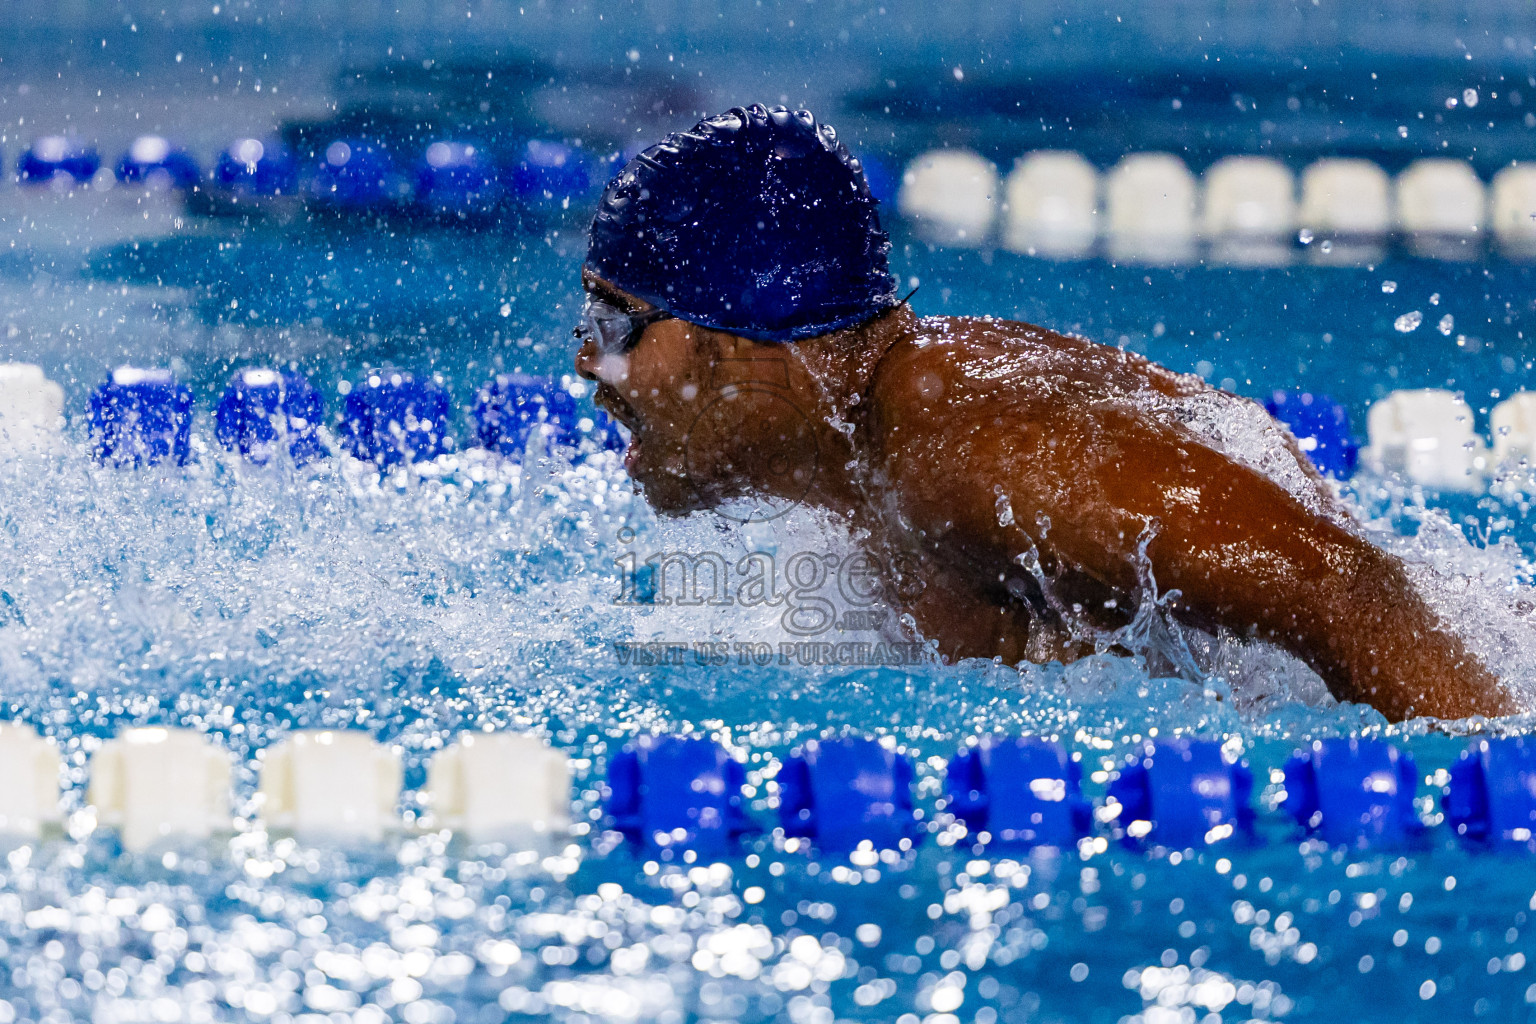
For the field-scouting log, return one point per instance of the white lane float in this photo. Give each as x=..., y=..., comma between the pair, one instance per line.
x=1346, y=208
x=323, y=784
x=1427, y=436
x=1513, y=426
x=1442, y=207
x=1149, y=199
x=1249, y=213
x=1345, y=197
x=1251, y=196
x=951, y=196
x=154, y=785
x=1513, y=209
x=29, y=800
x=500, y=786
x=1051, y=205
x=31, y=410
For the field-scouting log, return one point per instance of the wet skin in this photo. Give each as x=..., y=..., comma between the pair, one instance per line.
x=1019, y=477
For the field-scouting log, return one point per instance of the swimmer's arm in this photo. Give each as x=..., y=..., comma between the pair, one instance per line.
x=971, y=612
x=1243, y=553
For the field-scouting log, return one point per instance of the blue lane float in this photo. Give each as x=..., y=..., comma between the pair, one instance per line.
x=57, y=156
x=458, y=181
x=393, y=416
x=844, y=792
x=141, y=417
x=153, y=161
x=1353, y=792
x=679, y=798
x=1182, y=793
x=354, y=174
x=515, y=406
x=1492, y=795
x=546, y=171
x=677, y=793
x=264, y=411
x=256, y=167
x=1321, y=428
x=1022, y=791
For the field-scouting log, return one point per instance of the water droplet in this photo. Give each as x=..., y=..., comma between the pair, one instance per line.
x=1388, y=287
x=1409, y=321
x=1447, y=324
x=1305, y=236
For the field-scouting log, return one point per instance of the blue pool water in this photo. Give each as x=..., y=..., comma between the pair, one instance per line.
x=247, y=601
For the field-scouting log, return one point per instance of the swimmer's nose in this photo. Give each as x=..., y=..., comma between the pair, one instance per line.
x=594, y=365
x=587, y=360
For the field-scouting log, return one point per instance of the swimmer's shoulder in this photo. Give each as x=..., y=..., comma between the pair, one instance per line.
x=953, y=339
x=944, y=367
x=938, y=342
x=1002, y=357
x=1076, y=355
x=953, y=378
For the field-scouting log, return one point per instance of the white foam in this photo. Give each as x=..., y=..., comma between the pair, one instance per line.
x=1476, y=591
x=130, y=376
x=1243, y=430
x=508, y=581
x=1480, y=591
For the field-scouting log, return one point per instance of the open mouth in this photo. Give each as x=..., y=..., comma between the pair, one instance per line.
x=609, y=400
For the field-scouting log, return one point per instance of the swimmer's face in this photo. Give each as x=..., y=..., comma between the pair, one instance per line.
x=698, y=436
x=655, y=390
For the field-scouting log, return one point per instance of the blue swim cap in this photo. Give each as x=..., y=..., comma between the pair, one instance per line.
x=756, y=221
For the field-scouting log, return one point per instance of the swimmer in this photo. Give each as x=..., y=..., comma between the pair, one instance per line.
x=742, y=322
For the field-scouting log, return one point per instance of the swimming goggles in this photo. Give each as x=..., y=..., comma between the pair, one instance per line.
x=613, y=330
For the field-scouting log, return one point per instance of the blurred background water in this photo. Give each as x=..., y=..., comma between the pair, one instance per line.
x=246, y=602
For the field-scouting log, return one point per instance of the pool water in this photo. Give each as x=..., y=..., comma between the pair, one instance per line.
x=247, y=601
x=483, y=593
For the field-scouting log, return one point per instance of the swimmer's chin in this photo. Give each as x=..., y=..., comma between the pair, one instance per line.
x=667, y=492
x=670, y=490
x=672, y=502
